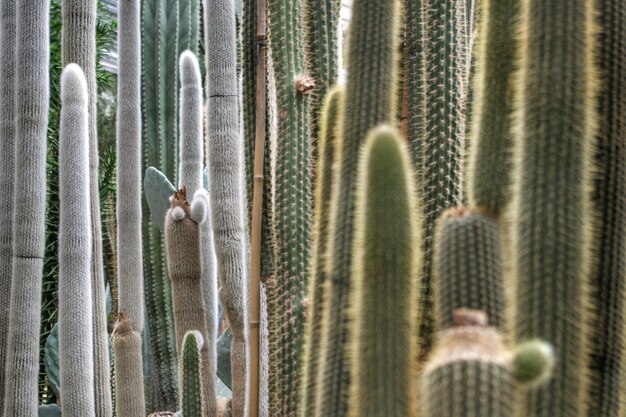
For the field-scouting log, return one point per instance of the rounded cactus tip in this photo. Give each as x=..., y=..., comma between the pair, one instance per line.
x=177, y=213
x=532, y=362
x=197, y=336
x=189, y=69
x=123, y=326
x=73, y=83
x=199, y=206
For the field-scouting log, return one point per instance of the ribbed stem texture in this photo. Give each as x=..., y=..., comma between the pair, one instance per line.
x=555, y=114
x=76, y=345
x=468, y=267
x=31, y=107
x=129, y=391
x=369, y=101
x=191, y=375
x=228, y=199
x=383, y=344
x=7, y=171
x=607, y=283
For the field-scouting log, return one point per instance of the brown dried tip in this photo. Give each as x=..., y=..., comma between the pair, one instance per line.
x=123, y=326
x=305, y=84
x=469, y=317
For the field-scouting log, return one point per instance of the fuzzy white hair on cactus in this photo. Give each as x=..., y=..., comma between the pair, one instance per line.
x=198, y=336
x=199, y=206
x=177, y=213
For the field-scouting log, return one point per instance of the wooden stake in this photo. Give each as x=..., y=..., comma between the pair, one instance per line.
x=257, y=209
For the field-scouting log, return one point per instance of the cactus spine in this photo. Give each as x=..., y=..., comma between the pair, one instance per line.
x=414, y=78
x=468, y=266
x=607, y=283
x=551, y=204
x=184, y=256
x=442, y=145
x=491, y=132
x=191, y=376
x=129, y=391
x=369, y=101
x=75, y=247
x=327, y=145
x=228, y=203
x=159, y=63
x=7, y=170
x=79, y=46
x=383, y=344
x=31, y=106
x=191, y=173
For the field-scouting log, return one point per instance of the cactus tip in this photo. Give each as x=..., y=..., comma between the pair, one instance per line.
x=189, y=69
x=177, y=213
x=532, y=362
x=197, y=335
x=199, y=206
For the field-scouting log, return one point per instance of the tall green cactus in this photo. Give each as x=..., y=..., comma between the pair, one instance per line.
x=471, y=373
x=468, y=267
x=491, y=132
x=414, y=72
x=191, y=381
x=607, y=282
x=327, y=146
x=184, y=256
x=79, y=46
x=7, y=171
x=160, y=29
x=555, y=114
x=385, y=267
x=369, y=101
x=31, y=123
x=442, y=145
x=129, y=388
x=76, y=346
x=289, y=213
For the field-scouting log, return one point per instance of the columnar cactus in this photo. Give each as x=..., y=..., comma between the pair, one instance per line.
x=327, y=146
x=491, y=133
x=191, y=176
x=369, y=101
x=31, y=124
x=79, y=46
x=442, y=144
x=191, y=399
x=555, y=114
x=76, y=345
x=184, y=256
x=414, y=77
x=468, y=266
x=228, y=204
x=7, y=169
x=129, y=390
x=385, y=268
x=607, y=283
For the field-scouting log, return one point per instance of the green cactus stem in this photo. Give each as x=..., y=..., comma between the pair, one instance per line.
x=383, y=343
x=28, y=231
x=76, y=344
x=555, y=118
x=369, y=101
x=468, y=266
x=191, y=375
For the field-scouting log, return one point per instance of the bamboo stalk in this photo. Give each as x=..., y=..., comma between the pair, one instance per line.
x=257, y=209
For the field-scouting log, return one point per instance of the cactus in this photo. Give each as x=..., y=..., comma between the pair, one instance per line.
x=369, y=101
x=468, y=266
x=160, y=26
x=228, y=205
x=191, y=175
x=191, y=375
x=413, y=78
x=607, y=280
x=249, y=58
x=442, y=145
x=76, y=345
x=382, y=343
x=184, y=255
x=31, y=123
x=129, y=390
x=471, y=373
x=491, y=133
x=189, y=27
x=327, y=144
x=79, y=46
x=551, y=206
x=7, y=150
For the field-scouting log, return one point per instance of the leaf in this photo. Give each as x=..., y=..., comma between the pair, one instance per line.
x=158, y=190
x=49, y=410
x=223, y=357
x=51, y=361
